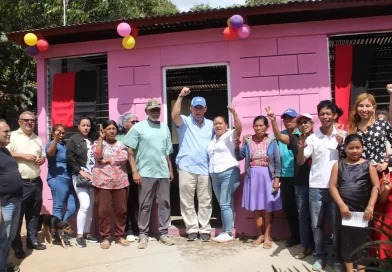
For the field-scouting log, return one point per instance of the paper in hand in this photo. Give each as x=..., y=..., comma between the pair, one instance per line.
x=356, y=220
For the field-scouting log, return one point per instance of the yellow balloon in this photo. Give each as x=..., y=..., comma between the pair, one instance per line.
x=128, y=42
x=30, y=39
x=228, y=22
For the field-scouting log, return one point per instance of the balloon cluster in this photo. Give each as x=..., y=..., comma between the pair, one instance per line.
x=236, y=27
x=35, y=44
x=128, y=33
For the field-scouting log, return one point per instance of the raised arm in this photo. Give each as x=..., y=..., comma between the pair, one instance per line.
x=177, y=107
x=302, y=144
x=51, y=152
x=278, y=135
x=237, y=122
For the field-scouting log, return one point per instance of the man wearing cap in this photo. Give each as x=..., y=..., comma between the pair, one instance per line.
x=195, y=132
x=287, y=178
x=150, y=145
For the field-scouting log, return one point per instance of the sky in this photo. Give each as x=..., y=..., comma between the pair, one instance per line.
x=185, y=5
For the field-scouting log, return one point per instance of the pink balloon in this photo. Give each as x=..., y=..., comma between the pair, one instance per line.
x=244, y=31
x=124, y=29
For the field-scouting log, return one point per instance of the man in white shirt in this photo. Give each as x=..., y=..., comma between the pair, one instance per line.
x=321, y=146
x=26, y=147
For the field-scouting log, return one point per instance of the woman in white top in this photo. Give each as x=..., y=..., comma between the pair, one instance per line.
x=224, y=170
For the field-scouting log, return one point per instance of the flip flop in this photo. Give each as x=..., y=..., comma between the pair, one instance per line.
x=302, y=255
x=267, y=245
x=258, y=241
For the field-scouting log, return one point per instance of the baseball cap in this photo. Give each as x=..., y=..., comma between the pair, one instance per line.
x=152, y=104
x=198, y=101
x=306, y=115
x=290, y=112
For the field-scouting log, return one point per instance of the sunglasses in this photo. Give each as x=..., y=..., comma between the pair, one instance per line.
x=28, y=120
x=306, y=122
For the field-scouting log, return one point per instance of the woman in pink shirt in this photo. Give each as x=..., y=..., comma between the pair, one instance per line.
x=111, y=183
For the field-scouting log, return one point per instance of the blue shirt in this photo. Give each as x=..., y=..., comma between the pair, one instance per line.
x=57, y=165
x=193, y=142
x=287, y=157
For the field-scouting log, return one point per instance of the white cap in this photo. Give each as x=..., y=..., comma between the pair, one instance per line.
x=306, y=115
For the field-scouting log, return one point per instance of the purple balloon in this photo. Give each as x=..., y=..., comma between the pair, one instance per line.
x=32, y=50
x=236, y=21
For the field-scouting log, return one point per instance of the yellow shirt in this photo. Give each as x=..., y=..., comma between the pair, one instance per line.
x=21, y=143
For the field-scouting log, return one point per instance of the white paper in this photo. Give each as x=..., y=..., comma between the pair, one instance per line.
x=356, y=220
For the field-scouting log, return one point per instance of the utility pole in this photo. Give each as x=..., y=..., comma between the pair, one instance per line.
x=65, y=12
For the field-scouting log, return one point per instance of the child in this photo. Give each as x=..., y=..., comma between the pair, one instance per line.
x=354, y=185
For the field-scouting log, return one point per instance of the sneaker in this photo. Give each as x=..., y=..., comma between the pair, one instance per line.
x=205, y=237
x=131, y=238
x=91, y=239
x=167, y=240
x=13, y=269
x=338, y=267
x=318, y=265
x=192, y=237
x=224, y=237
x=80, y=242
x=143, y=242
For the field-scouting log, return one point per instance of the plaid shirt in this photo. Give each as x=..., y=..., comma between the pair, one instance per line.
x=114, y=174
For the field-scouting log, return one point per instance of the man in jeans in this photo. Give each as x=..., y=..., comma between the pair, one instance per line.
x=195, y=133
x=287, y=178
x=321, y=146
x=10, y=196
x=26, y=147
x=150, y=145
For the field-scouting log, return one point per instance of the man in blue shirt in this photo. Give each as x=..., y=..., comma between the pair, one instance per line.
x=195, y=132
x=287, y=178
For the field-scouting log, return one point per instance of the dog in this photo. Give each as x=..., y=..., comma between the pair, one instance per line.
x=52, y=225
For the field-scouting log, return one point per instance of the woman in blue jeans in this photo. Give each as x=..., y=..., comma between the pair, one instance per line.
x=223, y=168
x=59, y=181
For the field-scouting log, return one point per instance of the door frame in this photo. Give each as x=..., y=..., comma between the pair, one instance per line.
x=165, y=106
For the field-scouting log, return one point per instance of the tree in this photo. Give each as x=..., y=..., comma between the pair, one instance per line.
x=200, y=7
x=17, y=69
x=265, y=2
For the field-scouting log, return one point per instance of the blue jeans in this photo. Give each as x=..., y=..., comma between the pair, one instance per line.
x=305, y=230
x=224, y=185
x=63, y=193
x=8, y=228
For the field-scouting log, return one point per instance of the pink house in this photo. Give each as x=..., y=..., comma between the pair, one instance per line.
x=287, y=61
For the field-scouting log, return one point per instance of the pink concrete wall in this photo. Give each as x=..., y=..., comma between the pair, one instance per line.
x=279, y=66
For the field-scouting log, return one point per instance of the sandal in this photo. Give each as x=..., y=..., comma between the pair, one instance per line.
x=303, y=254
x=105, y=244
x=267, y=243
x=258, y=241
x=122, y=242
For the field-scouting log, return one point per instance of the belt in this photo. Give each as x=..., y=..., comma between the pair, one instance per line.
x=30, y=180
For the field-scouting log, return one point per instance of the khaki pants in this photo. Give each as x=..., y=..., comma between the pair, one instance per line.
x=189, y=184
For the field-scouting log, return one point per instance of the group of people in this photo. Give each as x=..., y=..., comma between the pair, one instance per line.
x=126, y=168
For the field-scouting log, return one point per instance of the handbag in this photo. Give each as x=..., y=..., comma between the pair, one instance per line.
x=83, y=182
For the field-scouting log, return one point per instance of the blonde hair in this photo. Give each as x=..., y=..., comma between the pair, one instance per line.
x=354, y=116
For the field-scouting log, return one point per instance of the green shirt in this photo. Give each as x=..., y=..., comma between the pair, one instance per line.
x=287, y=157
x=151, y=144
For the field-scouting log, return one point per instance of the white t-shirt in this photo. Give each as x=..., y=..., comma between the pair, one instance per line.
x=221, y=153
x=324, y=155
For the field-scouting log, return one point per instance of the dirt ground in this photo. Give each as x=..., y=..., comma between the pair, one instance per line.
x=238, y=255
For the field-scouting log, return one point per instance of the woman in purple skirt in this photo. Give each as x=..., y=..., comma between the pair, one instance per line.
x=262, y=173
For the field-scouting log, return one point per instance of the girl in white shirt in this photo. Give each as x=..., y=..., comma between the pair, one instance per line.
x=224, y=170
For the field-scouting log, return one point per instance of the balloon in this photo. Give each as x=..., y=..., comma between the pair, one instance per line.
x=30, y=39
x=42, y=45
x=228, y=22
x=128, y=42
x=124, y=29
x=244, y=31
x=236, y=21
x=230, y=33
x=135, y=31
x=32, y=50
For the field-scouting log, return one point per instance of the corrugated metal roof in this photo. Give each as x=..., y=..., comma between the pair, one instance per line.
x=211, y=11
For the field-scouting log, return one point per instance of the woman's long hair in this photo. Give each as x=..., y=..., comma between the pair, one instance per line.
x=354, y=116
x=92, y=135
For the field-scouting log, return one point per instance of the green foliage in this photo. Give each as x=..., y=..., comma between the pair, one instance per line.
x=200, y=7
x=17, y=69
x=266, y=2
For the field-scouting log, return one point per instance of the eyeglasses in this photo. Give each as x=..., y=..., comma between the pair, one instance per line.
x=28, y=120
x=305, y=122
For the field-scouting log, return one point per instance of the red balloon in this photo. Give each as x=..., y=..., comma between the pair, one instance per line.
x=42, y=45
x=230, y=33
x=135, y=31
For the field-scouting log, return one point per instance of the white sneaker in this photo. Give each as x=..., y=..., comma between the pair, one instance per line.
x=224, y=237
x=131, y=238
